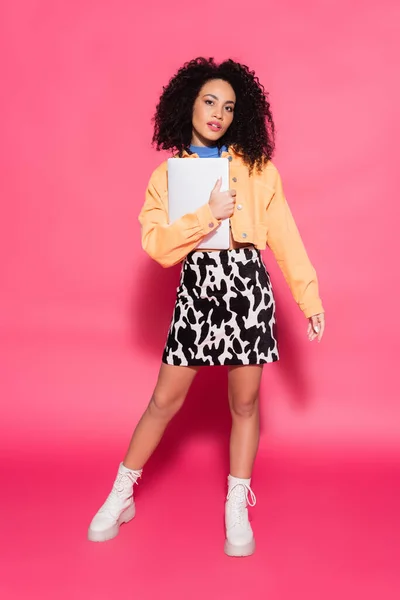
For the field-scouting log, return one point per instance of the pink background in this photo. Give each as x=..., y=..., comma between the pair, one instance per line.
x=84, y=312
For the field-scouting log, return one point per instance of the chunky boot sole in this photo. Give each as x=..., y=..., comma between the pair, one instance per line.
x=245, y=550
x=112, y=532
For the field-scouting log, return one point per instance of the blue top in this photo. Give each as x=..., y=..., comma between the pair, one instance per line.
x=207, y=151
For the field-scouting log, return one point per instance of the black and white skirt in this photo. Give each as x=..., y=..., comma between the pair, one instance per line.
x=224, y=311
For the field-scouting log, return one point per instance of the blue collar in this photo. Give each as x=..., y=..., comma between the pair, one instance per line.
x=207, y=151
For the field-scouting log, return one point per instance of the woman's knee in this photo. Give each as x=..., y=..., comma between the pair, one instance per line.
x=165, y=404
x=244, y=405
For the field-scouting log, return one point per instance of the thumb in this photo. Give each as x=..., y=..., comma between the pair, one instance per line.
x=315, y=324
x=218, y=184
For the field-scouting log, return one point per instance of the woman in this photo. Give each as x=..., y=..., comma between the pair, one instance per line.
x=225, y=310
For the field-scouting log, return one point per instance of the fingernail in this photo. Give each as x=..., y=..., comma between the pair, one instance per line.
x=316, y=329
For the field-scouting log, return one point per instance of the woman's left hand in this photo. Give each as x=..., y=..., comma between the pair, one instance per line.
x=316, y=327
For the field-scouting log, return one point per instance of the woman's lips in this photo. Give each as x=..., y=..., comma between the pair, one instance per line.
x=214, y=126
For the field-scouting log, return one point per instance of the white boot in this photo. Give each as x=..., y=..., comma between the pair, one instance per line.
x=239, y=534
x=118, y=508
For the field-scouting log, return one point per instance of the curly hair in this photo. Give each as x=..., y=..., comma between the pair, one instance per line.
x=252, y=130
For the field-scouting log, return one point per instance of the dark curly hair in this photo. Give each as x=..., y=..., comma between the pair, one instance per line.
x=252, y=130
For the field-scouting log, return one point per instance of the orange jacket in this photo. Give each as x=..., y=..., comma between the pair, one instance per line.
x=262, y=216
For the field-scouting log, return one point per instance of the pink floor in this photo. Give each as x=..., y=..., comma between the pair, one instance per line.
x=325, y=529
x=327, y=519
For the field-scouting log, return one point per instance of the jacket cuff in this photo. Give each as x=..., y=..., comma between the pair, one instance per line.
x=206, y=219
x=313, y=309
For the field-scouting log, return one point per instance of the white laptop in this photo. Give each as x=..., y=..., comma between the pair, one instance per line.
x=190, y=182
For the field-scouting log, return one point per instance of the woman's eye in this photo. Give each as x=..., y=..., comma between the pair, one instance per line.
x=209, y=102
x=229, y=108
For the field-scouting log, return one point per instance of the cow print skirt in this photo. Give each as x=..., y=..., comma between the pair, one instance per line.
x=224, y=312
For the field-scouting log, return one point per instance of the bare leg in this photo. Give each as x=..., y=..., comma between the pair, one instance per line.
x=243, y=389
x=169, y=395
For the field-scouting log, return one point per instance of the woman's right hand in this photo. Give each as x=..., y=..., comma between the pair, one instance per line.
x=222, y=204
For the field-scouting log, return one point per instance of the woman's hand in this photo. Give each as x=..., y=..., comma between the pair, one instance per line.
x=222, y=204
x=316, y=327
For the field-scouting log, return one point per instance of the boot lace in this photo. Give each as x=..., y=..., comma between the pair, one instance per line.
x=123, y=480
x=121, y=485
x=240, y=495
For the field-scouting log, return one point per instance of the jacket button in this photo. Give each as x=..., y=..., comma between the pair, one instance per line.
x=239, y=207
x=234, y=179
x=211, y=225
x=244, y=235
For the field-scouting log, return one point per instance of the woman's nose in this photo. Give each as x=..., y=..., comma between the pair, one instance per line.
x=217, y=113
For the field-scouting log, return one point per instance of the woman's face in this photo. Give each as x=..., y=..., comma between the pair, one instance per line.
x=212, y=112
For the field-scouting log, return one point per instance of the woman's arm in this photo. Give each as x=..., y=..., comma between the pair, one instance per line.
x=166, y=243
x=287, y=246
